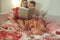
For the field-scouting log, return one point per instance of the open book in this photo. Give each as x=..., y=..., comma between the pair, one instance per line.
x=23, y=13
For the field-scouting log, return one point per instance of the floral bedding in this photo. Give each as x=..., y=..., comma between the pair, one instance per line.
x=11, y=32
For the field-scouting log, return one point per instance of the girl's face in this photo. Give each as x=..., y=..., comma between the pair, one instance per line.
x=24, y=3
x=31, y=5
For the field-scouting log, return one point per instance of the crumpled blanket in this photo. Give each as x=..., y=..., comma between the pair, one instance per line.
x=10, y=32
x=10, y=35
x=52, y=26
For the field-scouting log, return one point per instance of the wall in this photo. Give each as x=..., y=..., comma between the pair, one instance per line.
x=53, y=13
x=54, y=8
x=6, y=6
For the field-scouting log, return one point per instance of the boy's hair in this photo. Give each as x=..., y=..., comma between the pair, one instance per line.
x=33, y=2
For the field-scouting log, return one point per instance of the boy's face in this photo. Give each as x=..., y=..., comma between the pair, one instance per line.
x=31, y=5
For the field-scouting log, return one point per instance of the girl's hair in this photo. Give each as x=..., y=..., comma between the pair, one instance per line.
x=22, y=1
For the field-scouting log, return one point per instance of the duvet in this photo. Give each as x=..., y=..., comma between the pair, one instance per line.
x=10, y=32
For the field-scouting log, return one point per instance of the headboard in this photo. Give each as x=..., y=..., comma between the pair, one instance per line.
x=3, y=17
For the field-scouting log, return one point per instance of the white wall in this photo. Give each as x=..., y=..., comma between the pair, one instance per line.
x=53, y=13
x=6, y=6
x=54, y=8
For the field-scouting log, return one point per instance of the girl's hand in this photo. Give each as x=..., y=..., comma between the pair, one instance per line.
x=34, y=16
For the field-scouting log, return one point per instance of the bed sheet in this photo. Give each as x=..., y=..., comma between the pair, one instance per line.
x=16, y=34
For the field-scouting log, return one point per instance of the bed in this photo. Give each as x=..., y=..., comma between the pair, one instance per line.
x=14, y=33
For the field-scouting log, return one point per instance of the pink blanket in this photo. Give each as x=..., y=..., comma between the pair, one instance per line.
x=10, y=32
x=52, y=26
